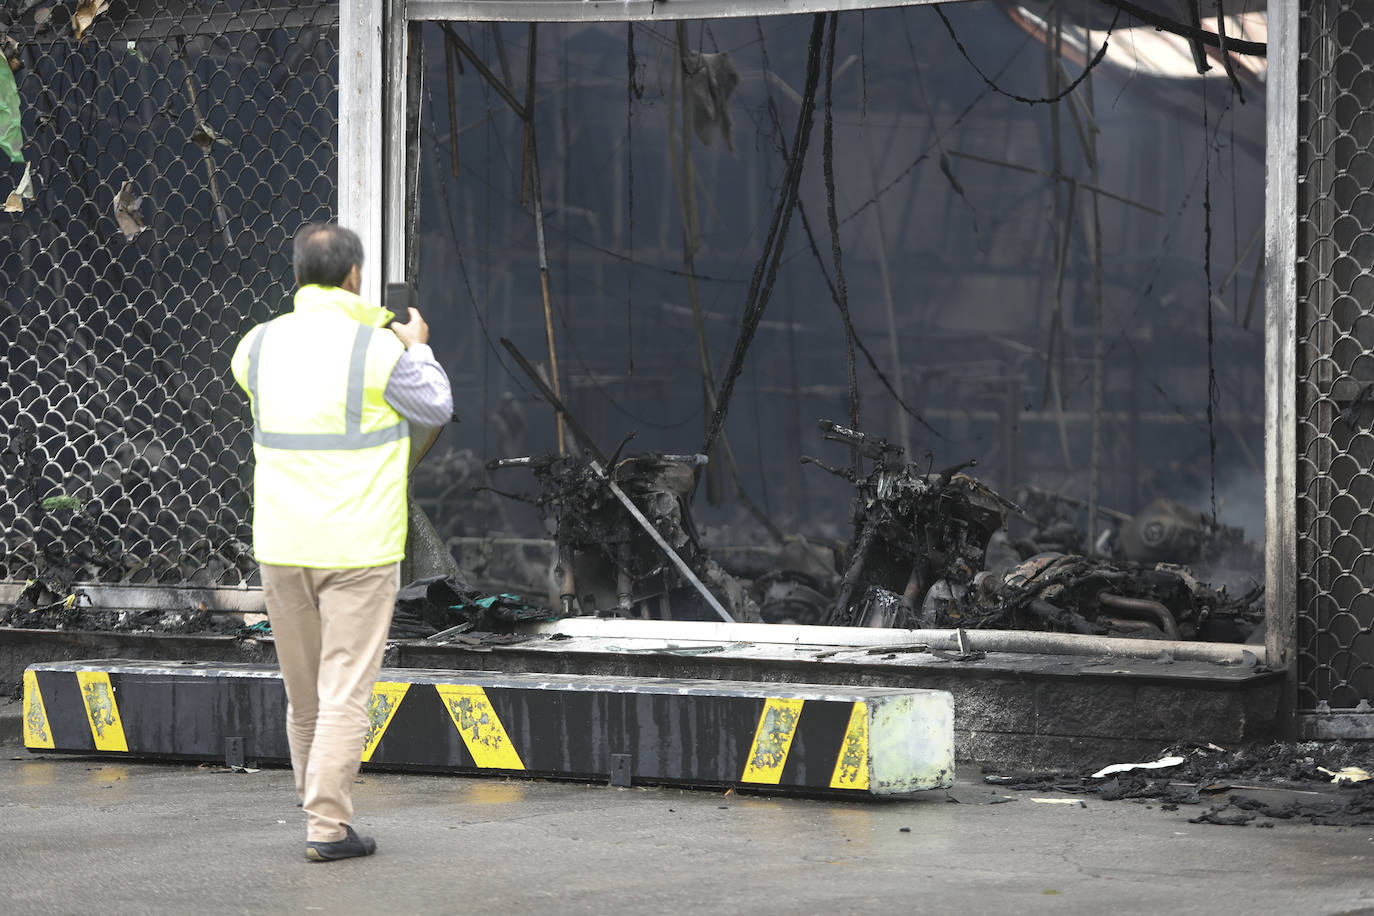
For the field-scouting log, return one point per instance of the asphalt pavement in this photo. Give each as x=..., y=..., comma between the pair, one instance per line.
x=83, y=835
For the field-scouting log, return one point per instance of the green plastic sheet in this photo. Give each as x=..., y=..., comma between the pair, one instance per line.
x=11, y=134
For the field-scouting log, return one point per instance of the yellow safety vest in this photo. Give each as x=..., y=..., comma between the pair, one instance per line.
x=329, y=488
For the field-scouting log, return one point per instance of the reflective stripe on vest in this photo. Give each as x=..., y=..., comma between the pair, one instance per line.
x=353, y=436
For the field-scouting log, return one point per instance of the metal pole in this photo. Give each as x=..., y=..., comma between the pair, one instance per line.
x=684, y=180
x=1280, y=336
x=360, y=131
x=1094, y=231
x=536, y=197
x=390, y=258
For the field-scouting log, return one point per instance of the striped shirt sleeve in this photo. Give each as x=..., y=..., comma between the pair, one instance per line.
x=419, y=388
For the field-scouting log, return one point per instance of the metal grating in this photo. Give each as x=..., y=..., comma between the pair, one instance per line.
x=1335, y=356
x=173, y=149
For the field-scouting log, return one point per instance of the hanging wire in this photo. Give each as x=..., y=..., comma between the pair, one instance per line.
x=925, y=154
x=863, y=67
x=573, y=236
x=850, y=330
x=828, y=167
x=1047, y=100
x=1213, y=393
x=565, y=322
x=766, y=269
x=631, y=90
x=462, y=264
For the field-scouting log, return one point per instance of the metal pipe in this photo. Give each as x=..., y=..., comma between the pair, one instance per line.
x=495, y=82
x=1020, y=641
x=1141, y=609
x=1053, y=614
x=567, y=584
x=695, y=461
x=1123, y=625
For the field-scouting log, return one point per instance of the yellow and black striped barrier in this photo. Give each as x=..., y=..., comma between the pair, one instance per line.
x=874, y=741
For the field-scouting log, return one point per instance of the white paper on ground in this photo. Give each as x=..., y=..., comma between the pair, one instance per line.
x=1159, y=764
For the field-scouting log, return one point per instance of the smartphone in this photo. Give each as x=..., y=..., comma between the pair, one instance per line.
x=400, y=297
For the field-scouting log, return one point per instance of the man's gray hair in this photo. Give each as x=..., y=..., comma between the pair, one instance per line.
x=324, y=253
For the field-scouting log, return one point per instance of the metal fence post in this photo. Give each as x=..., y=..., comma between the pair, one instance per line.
x=1280, y=463
x=361, y=62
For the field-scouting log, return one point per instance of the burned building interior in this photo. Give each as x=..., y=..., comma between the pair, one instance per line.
x=929, y=349
x=917, y=317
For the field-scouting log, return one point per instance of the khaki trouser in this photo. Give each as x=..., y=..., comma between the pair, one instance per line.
x=330, y=629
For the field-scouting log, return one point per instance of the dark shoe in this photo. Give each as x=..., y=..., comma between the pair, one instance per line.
x=351, y=846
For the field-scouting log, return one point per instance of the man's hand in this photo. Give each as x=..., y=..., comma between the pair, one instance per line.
x=415, y=331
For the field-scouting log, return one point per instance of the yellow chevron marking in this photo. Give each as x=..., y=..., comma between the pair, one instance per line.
x=381, y=708
x=772, y=741
x=36, y=730
x=482, y=731
x=102, y=711
x=851, y=767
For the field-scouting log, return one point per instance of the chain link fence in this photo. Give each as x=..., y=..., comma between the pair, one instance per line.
x=170, y=151
x=1335, y=350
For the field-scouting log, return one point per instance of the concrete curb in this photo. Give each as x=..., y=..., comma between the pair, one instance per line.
x=11, y=721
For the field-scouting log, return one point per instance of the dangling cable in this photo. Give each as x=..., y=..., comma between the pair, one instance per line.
x=631, y=90
x=820, y=259
x=766, y=269
x=842, y=294
x=1048, y=100
x=1213, y=394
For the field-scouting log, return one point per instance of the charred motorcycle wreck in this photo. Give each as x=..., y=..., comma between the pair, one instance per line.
x=929, y=549
x=920, y=557
x=625, y=540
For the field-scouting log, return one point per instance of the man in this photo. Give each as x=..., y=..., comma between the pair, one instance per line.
x=333, y=393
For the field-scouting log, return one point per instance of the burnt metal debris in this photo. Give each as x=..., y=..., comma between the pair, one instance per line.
x=929, y=549
x=914, y=531
x=51, y=603
x=437, y=607
x=919, y=557
x=606, y=560
x=667, y=523
x=1319, y=783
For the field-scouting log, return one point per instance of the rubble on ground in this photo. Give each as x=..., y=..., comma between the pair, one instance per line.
x=53, y=606
x=1321, y=783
